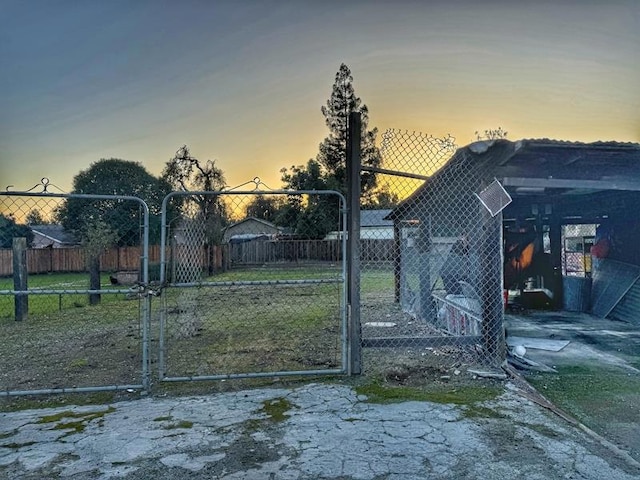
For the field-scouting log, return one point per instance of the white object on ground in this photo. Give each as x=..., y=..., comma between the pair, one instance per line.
x=520, y=351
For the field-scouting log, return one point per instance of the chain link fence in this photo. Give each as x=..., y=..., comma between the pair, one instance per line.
x=242, y=284
x=253, y=285
x=72, y=304
x=431, y=294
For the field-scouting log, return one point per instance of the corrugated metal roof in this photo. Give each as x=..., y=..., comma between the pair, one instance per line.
x=537, y=159
x=553, y=141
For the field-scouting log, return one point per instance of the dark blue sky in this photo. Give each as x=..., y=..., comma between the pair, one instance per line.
x=243, y=81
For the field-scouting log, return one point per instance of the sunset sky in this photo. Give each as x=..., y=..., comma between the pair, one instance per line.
x=242, y=82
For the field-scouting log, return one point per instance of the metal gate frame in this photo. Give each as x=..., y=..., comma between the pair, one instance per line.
x=145, y=312
x=345, y=350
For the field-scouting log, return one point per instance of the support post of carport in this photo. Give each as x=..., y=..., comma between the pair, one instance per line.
x=490, y=289
x=555, y=242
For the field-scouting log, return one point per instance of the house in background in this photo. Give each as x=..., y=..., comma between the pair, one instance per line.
x=52, y=236
x=248, y=229
x=373, y=226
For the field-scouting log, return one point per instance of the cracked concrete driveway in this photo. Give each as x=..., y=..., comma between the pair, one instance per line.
x=315, y=431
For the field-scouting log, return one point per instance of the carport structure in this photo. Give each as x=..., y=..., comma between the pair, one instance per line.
x=445, y=236
x=558, y=184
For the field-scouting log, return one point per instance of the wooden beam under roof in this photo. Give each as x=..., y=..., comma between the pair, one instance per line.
x=613, y=184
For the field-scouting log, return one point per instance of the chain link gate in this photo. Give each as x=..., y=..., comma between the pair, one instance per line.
x=74, y=307
x=431, y=263
x=250, y=293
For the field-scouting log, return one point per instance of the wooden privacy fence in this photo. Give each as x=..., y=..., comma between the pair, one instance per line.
x=268, y=251
x=52, y=260
x=376, y=250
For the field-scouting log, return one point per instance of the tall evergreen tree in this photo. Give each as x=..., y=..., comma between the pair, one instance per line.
x=332, y=152
x=329, y=169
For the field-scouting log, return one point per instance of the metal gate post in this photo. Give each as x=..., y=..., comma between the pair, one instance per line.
x=353, y=241
x=146, y=301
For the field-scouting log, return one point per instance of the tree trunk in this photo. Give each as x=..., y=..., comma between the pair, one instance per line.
x=94, y=279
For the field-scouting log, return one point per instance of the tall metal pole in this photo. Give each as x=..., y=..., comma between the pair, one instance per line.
x=353, y=241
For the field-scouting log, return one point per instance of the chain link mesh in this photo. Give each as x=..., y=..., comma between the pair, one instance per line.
x=255, y=288
x=70, y=302
x=436, y=299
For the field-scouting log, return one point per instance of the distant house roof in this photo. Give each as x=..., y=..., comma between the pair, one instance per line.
x=252, y=220
x=55, y=233
x=250, y=237
x=249, y=225
x=375, y=218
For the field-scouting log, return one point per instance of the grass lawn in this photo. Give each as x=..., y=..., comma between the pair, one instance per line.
x=45, y=304
x=210, y=330
x=65, y=342
x=255, y=328
x=605, y=398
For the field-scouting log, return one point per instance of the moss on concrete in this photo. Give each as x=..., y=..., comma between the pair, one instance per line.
x=76, y=426
x=462, y=395
x=277, y=409
x=186, y=424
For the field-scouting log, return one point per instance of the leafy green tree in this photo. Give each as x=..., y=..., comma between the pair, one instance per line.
x=328, y=171
x=266, y=207
x=9, y=230
x=187, y=173
x=114, y=177
x=316, y=215
x=380, y=198
x=34, y=217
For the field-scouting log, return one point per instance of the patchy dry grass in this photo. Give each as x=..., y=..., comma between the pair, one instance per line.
x=605, y=398
x=49, y=304
x=213, y=330
x=237, y=329
x=253, y=329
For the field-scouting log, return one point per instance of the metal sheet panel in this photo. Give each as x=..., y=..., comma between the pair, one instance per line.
x=628, y=310
x=611, y=281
